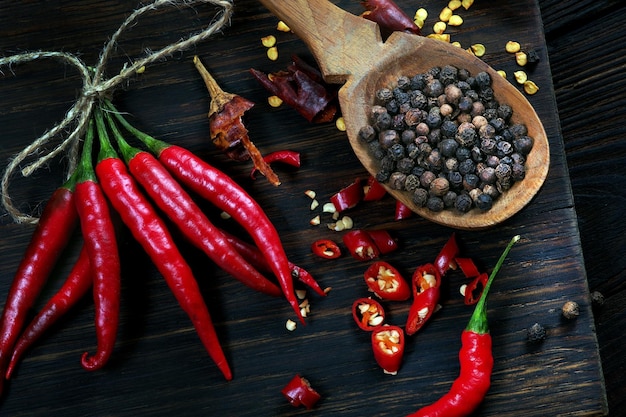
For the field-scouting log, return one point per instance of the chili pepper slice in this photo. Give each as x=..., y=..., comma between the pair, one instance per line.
x=302, y=88
x=402, y=211
x=474, y=289
x=467, y=266
x=389, y=16
x=368, y=313
x=388, y=347
x=386, y=282
x=73, y=289
x=288, y=157
x=446, y=258
x=152, y=234
x=99, y=237
x=426, y=283
x=383, y=240
x=218, y=188
x=300, y=392
x=373, y=190
x=476, y=360
x=326, y=248
x=49, y=239
x=348, y=197
x=360, y=245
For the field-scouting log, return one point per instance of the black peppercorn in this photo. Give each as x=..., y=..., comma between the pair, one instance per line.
x=396, y=180
x=536, y=333
x=433, y=88
x=487, y=131
x=418, y=81
x=570, y=310
x=488, y=146
x=448, y=74
x=388, y=138
x=383, y=176
x=498, y=124
x=376, y=150
x=448, y=199
x=426, y=178
x=482, y=79
x=418, y=100
x=492, y=161
x=404, y=82
x=597, y=299
x=420, y=197
x=434, y=136
x=387, y=164
x=412, y=117
x=367, y=133
x=448, y=129
x=384, y=95
x=381, y=121
x=463, y=153
x=448, y=147
x=463, y=203
x=435, y=204
x=433, y=120
x=487, y=175
x=484, y=202
x=486, y=94
x=455, y=179
x=396, y=151
x=411, y=182
x=504, y=148
x=503, y=171
x=405, y=165
x=408, y=136
x=518, y=130
x=439, y=187
x=467, y=166
x=505, y=112
x=470, y=181
x=392, y=106
x=523, y=145
x=466, y=135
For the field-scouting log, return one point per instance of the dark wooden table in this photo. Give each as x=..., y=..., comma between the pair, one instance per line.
x=159, y=366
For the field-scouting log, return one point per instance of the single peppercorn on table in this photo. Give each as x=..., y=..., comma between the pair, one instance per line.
x=159, y=366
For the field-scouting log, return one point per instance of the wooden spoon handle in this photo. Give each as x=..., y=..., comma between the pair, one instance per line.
x=343, y=44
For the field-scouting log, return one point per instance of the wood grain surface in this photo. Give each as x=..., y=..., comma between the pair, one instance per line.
x=160, y=367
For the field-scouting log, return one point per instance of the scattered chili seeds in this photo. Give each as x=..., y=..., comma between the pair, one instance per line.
x=570, y=310
x=502, y=73
x=478, y=49
x=274, y=101
x=530, y=87
x=290, y=325
x=520, y=76
x=268, y=41
x=536, y=333
x=439, y=27
x=454, y=4
x=272, y=53
x=340, y=124
x=512, y=47
x=455, y=20
x=282, y=27
x=315, y=221
x=467, y=3
x=445, y=14
x=521, y=58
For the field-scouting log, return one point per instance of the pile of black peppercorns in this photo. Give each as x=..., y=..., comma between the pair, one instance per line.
x=443, y=137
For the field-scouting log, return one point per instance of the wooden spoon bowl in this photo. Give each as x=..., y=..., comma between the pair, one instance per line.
x=349, y=49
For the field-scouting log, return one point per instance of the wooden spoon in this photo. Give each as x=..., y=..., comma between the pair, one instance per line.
x=349, y=49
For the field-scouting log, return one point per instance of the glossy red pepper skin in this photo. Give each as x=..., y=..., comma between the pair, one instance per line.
x=474, y=289
x=388, y=352
x=389, y=16
x=348, y=197
x=360, y=245
x=48, y=241
x=363, y=319
x=425, y=298
x=383, y=241
x=291, y=158
x=74, y=288
x=300, y=392
x=326, y=249
x=402, y=211
x=446, y=258
x=467, y=266
x=373, y=190
x=152, y=234
x=386, y=282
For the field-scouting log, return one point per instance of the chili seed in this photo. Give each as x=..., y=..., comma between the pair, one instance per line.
x=455, y=20
x=520, y=76
x=268, y=41
x=274, y=101
x=467, y=3
x=454, y=4
x=521, y=58
x=290, y=325
x=478, y=49
x=421, y=14
x=445, y=14
x=340, y=123
x=282, y=27
x=530, y=87
x=272, y=53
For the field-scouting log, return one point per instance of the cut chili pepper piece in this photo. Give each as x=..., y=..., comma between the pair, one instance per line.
x=348, y=197
x=386, y=282
x=373, y=190
x=360, y=245
x=426, y=283
x=388, y=348
x=402, y=211
x=300, y=392
x=368, y=313
x=383, y=240
x=291, y=158
x=475, y=288
x=468, y=267
x=326, y=248
x=389, y=17
x=446, y=258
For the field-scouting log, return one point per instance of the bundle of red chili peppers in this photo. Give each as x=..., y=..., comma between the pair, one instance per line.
x=137, y=184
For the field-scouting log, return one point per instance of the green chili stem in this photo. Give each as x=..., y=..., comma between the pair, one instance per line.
x=127, y=151
x=106, y=149
x=478, y=323
x=85, y=170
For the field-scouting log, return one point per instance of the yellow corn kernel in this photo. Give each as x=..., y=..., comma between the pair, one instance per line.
x=455, y=20
x=272, y=53
x=274, y=101
x=439, y=27
x=282, y=26
x=530, y=87
x=478, y=49
x=466, y=3
x=454, y=4
x=502, y=73
x=340, y=123
x=421, y=14
x=520, y=77
x=521, y=58
x=445, y=14
x=268, y=41
x=512, y=47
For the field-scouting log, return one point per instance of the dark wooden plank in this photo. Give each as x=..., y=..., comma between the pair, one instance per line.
x=160, y=366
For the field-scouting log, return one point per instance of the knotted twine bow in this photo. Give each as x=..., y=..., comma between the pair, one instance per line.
x=94, y=86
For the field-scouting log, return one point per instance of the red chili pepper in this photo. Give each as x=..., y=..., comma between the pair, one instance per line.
x=373, y=190
x=467, y=266
x=446, y=258
x=348, y=197
x=388, y=347
x=50, y=237
x=99, y=237
x=426, y=290
x=402, y=211
x=383, y=240
x=73, y=289
x=215, y=186
x=300, y=392
x=301, y=87
x=476, y=359
x=386, y=282
x=151, y=232
x=291, y=158
x=474, y=289
x=360, y=245
x=389, y=16
x=326, y=248
x=368, y=313
x=178, y=205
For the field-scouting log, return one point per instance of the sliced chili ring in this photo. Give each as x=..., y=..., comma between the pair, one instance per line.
x=326, y=248
x=368, y=313
x=360, y=245
x=383, y=240
x=425, y=277
x=446, y=258
x=402, y=211
x=474, y=289
x=348, y=197
x=373, y=190
x=388, y=348
x=300, y=392
x=468, y=267
x=386, y=282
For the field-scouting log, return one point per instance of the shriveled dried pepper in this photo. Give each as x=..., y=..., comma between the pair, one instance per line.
x=389, y=17
x=301, y=86
x=426, y=283
x=386, y=282
x=228, y=132
x=368, y=313
x=476, y=360
x=388, y=347
x=288, y=157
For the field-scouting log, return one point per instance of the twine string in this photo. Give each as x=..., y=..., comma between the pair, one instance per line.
x=95, y=85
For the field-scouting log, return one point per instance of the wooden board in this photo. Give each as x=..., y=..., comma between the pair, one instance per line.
x=160, y=367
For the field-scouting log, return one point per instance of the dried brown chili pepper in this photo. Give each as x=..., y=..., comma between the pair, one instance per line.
x=228, y=132
x=389, y=17
x=302, y=87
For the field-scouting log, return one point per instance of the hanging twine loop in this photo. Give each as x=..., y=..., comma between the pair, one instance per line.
x=94, y=87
